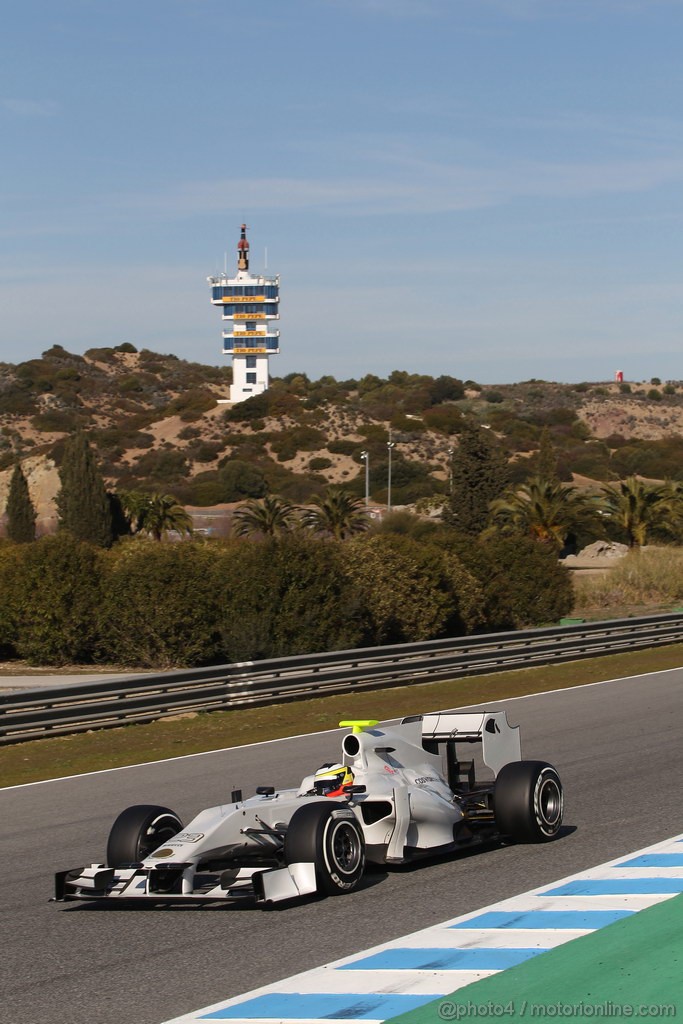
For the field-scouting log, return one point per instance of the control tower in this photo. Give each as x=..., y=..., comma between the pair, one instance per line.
x=250, y=304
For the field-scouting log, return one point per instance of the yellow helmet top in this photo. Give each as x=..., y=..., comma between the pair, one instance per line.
x=330, y=778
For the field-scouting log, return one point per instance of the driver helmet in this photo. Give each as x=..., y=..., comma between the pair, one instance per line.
x=332, y=779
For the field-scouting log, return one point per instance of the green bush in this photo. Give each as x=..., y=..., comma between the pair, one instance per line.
x=591, y=460
x=409, y=425
x=289, y=596
x=298, y=439
x=285, y=448
x=10, y=565
x=160, y=605
x=445, y=389
x=192, y=404
x=68, y=373
x=297, y=488
x=522, y=582
x=101, y=355
x=446, y=419
x=189, y=433
x=16, y=401
x=162, y=466
x=53, y=601
x=658, y=460
x=318, y=463
x=374, y=433
x=204, y=452
x=121, y=437
x=58, y=421
x=414, y=591
x=342, y=447
x=131, y=383
x=203, y=489
x=254, y=408
x=241, y=480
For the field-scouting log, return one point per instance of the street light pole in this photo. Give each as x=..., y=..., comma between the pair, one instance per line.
x=390, y=445
x=365, y=456
x=450, y=470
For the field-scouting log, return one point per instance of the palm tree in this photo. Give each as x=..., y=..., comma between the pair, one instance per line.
x=133, y=504
x=160, y=514
x=543, y=509
x=636, y=507
x=268, y=516
x=336, y=513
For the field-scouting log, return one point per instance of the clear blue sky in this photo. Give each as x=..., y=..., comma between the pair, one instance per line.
x=485, y=188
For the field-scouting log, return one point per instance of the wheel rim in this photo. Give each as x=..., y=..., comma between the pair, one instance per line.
x=549, y=805
x=346, y=848
x=157, y=833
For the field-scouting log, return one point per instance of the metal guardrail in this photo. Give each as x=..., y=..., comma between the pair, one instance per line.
x=99, y=705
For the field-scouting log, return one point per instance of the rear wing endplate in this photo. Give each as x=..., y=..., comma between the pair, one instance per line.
x=500, y=740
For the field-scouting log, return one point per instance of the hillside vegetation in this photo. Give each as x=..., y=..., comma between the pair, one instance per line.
x=157, y=423
x=111, y=446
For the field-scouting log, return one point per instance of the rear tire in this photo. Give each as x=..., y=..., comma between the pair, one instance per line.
x=528, y=801
x=329, y=836
x=138, y=831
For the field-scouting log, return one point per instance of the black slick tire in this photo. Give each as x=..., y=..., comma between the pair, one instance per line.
x=328, y=835
x=528, y=801
x=138, y=831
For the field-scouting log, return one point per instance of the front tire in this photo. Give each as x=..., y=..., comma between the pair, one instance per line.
x=138, y=831
x=528, y=801
x=329, y=836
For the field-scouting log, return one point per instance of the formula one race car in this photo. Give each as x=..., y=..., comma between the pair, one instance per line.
x=387, y=801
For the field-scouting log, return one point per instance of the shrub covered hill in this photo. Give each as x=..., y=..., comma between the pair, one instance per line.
x=158, y=425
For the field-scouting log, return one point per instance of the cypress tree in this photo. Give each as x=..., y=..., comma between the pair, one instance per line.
x=480, y=473
x=547, y=458
x=21, y=515
x=82, y=502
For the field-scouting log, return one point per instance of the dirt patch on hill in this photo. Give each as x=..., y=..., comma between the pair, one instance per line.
x=43, y=482
x=629, y=416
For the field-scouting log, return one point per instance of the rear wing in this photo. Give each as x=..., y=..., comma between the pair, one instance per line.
x=500, y=740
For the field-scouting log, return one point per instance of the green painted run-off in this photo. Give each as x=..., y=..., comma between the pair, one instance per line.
x=630, y=969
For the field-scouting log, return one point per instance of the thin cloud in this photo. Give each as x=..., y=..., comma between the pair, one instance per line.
x=29, y=108
x=536, y=10
x=414, y=185
x=392, y=8
x=398, y=181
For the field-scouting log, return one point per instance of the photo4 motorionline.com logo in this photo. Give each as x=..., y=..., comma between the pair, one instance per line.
x=524, y=1008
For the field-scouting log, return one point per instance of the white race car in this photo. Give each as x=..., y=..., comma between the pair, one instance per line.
x=398, y=792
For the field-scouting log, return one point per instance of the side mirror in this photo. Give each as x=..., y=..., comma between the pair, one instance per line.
x=265, y=790
x=353, y=790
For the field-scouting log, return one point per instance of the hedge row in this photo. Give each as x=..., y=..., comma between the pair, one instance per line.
x=165, y=605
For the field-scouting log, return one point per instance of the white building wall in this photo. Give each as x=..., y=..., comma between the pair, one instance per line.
x=243, y=386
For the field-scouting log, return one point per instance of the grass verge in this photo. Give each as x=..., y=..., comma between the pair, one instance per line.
x=133, y=744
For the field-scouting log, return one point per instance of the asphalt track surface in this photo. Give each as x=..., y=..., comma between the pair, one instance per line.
x=617, y=746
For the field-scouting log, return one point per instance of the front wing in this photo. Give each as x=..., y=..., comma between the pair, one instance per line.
x=179, y=883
